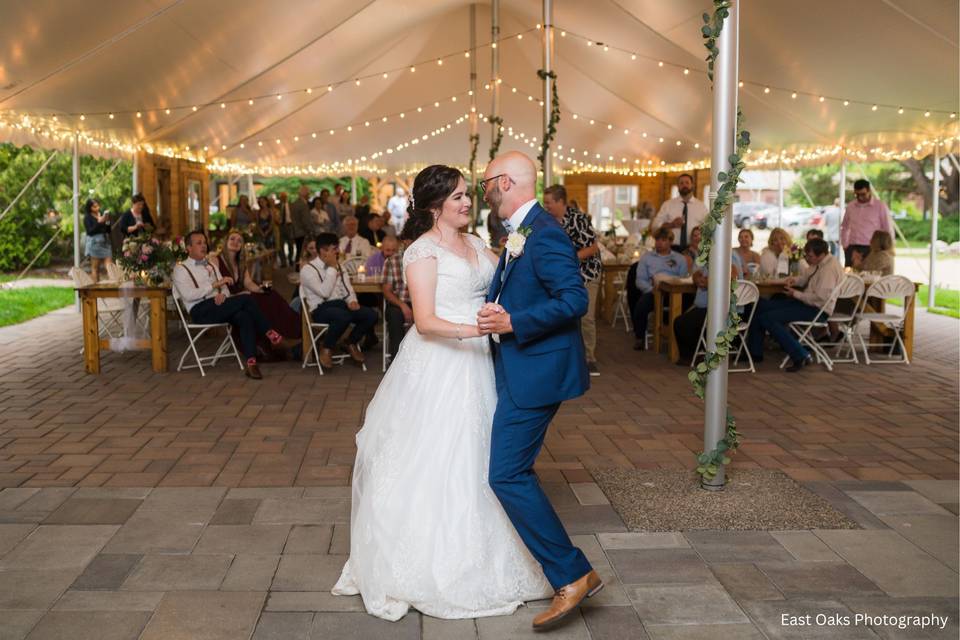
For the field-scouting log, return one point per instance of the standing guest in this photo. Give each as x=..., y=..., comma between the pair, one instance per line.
x=399, y=313
x=661, y=260
x=98, y=248
x=687, y=326
x=352, y=244
x=332, y=210
x=580, y=230
x=880, y=258
x=862, y=217
x=831, y=228
x=397, y=208
x=288, y=253
x=242, y=215
x=307, y=255
x=341, y=198
x=232, y=262
x=206, y=296
x=137, y=218
x=331, y=300
x=805, y=295
x=265, y=223
x=388, y=227
x=320, y=218
x=775, y=259
x=693, y=249
x=374, y=233
x=681, y=214
x=300, y=214
x=363, y=212
x=745, y=250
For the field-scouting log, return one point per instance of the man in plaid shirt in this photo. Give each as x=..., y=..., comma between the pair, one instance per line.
x=399, y=313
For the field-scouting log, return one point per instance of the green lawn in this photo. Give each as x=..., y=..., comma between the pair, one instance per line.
x=20, y=305
x=947, y=301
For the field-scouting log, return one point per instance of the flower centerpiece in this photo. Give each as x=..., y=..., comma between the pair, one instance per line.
x=148, y=260
x=796, y=255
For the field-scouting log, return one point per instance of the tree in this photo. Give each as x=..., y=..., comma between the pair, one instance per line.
x=949, y=183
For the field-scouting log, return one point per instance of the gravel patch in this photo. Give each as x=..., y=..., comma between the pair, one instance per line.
x=753, y=499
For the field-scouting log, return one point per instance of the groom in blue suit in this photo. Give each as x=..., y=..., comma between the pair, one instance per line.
x=533, y=315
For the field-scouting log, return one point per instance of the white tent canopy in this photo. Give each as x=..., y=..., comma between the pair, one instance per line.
x=92, y=59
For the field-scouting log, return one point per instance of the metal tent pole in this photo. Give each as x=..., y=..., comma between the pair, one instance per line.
x=843, y=201
x=136, y=174
x=548, y=87
x=718, y=290
x=76, y=209
x=780, y=189
x=494, y=66
x=931, y=293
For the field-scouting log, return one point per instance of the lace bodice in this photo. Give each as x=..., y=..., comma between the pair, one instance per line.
x=461, y=287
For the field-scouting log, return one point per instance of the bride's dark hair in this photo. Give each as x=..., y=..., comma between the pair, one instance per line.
x=431, y=188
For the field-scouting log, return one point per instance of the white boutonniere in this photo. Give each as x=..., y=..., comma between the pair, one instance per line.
x=516, y=240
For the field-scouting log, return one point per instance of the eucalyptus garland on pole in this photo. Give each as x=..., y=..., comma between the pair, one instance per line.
x=474, y=143
x=551, y=131
x=708, y=462
x=498, y=137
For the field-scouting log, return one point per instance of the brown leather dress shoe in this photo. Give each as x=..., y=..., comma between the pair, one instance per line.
x=567, y=599
x=355, y=353
x=326, y=358
x=253, y=371
x=288, y=343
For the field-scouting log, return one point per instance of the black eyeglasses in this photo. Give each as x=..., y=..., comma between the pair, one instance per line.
x=483, y=183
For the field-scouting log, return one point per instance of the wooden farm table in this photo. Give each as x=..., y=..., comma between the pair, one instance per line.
x=607, y=303
x=92, y=342
x=674, y=290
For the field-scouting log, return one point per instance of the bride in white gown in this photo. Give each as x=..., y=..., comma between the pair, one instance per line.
x=426, y=530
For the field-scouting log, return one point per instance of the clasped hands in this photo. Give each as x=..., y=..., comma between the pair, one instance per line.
x=492, y=318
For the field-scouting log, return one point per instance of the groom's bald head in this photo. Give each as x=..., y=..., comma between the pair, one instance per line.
x=517, y=182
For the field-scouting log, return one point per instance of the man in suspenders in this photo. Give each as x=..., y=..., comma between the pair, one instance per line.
x=206, y=295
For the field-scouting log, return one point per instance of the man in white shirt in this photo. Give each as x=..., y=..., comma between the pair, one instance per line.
x=352, y=244
x=397, y=206
x=206, y=295
x=680, y=214
x=331, y=300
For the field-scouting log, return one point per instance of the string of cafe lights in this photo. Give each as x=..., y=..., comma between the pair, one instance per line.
x=766, y=88
x=328, y=87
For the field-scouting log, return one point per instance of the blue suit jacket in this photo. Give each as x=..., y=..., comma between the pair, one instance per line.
x=542, y=290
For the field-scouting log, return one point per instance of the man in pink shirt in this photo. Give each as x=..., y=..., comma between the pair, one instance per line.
x=863, y=216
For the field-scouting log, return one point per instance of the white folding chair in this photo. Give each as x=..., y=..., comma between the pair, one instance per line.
x=887, y=288
x=850, y=288
x=317, y=331
x=195, y=331
x=109, y=310
x=622, y=309
x=747, y=294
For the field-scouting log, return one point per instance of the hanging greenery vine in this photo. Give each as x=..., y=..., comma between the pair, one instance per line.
x=708, y=463
x=551, y=131
x=498, y=135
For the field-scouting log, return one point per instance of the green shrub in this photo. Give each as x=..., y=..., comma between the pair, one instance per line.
x=918, y=231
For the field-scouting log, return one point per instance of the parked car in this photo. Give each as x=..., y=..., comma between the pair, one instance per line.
x=793, y=219
x=745, y=214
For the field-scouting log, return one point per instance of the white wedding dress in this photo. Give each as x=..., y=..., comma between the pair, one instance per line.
x=426, y=530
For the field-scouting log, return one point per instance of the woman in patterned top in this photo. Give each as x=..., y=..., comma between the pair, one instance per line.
x=578, y=226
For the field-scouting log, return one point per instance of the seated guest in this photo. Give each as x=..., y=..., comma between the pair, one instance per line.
x=805, y=295
x=747, y=255
x=651, y=263
x=137, y=218
x=880, y=257
x=388, y=226
x=775, y=259
x=331, y=300
x=377, y=260
x=352, y=245
x=399, y=312
x=814, y=234
x=693, y=249
x=232, y=262
x=206, y=295
x=307, y=254
x=687, y=327
x=374, y=231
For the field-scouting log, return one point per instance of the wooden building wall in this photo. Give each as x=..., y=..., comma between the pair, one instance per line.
x=652, y=189
x=164, y=183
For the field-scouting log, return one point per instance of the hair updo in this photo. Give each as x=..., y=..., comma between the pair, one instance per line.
x=431, y=188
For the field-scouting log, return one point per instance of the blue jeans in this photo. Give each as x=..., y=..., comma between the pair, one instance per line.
x=515, y=442
x=773, y=316
x=336, y=314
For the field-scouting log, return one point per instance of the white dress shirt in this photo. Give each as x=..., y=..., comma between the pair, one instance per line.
x=516, y=220
x=199, y=287
x=322, y=283
x=359, y=247
x=673, y=209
